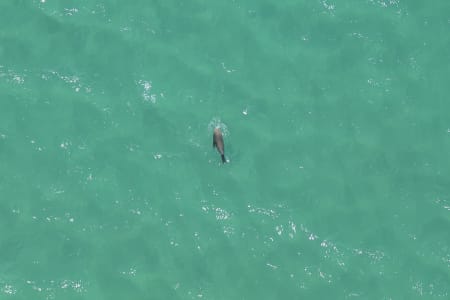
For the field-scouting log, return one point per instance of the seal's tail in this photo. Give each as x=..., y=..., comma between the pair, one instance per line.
x=223, y=158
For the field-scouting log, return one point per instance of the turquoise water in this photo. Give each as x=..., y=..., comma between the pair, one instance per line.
x=335, y=115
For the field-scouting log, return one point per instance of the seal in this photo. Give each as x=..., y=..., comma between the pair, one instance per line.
x=218, y=143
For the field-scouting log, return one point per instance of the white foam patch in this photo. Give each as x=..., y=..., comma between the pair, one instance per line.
x=146, y=94
x=8, y=289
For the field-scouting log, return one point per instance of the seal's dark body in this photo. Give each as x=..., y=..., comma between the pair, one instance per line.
x=218, y=143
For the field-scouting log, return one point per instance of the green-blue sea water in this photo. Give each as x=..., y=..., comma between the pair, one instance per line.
x=336, y=122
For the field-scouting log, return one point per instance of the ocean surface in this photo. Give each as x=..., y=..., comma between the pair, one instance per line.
x=336, y=121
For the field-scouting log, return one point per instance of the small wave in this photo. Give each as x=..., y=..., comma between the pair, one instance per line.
x=217, y=123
